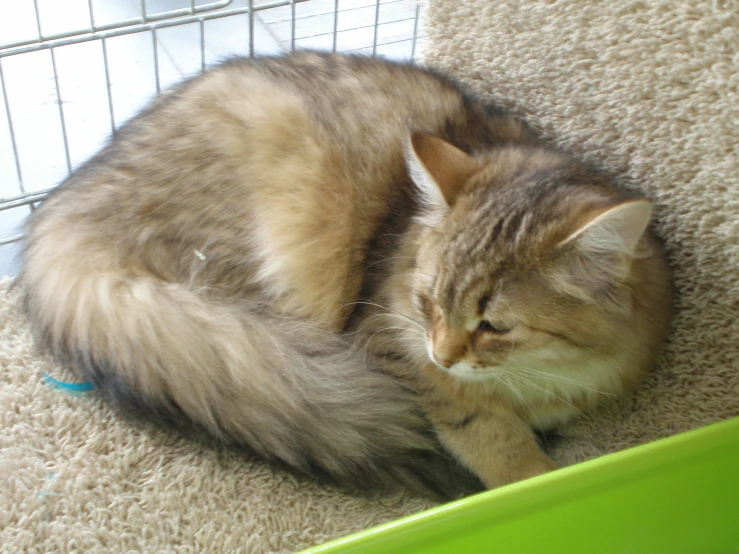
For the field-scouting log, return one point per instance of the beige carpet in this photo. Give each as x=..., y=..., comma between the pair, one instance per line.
x=645, y=89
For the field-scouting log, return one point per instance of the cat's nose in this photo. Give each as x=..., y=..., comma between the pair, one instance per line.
x=442, y=362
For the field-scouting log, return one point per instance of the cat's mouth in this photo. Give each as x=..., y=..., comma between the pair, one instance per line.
x=465, y=371
x=462, y=370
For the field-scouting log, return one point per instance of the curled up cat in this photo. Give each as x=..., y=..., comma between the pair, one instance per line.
x=350, y=267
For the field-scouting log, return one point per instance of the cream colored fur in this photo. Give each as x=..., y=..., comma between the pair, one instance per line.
x=79, y=479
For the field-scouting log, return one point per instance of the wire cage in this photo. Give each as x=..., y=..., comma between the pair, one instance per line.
x=72, y=72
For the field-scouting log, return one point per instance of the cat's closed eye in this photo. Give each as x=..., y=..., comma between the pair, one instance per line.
x=423, y=304
x=496, y=328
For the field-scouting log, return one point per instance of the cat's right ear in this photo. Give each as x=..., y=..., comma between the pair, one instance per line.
x=438, y=168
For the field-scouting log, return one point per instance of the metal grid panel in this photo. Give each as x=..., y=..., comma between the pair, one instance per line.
x=71, y=72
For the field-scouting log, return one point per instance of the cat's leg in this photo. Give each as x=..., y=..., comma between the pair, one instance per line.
x=495, y=444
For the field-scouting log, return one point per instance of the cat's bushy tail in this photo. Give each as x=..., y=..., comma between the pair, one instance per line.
x=284, y=389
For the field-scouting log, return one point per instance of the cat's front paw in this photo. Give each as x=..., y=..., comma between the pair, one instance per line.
x=523, y=469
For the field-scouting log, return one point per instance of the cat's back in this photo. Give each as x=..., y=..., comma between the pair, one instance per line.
x=276, y=118
x=350, y=110
x=339, y=91
x=271, y=169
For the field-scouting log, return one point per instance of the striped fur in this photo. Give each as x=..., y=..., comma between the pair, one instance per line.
x=250, y=255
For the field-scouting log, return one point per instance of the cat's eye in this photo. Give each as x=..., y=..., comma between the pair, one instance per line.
x=423, y=303
x=498, y=328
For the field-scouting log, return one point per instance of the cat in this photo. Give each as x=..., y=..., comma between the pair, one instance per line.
x=350, y=267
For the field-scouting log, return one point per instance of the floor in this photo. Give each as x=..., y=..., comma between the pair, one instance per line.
x=30, y=94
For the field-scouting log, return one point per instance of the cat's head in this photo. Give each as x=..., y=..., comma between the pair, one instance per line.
x=526, y=265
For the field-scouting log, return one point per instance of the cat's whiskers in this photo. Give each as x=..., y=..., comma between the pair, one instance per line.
x=397, y=342
x=560, y=378
x=415, y=337
x=389, y=260
x=521, y=398
x=524, y=381
x=398, y=314
x=392, y=313
x=501, y=378
x=398, y=335
x=402, y=334
x=416, y=327
x=417, y=273
x=404, y=343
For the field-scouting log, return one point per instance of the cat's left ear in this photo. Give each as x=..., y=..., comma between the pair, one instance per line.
x=603, y=249
x=618, y=229
x=438, y=168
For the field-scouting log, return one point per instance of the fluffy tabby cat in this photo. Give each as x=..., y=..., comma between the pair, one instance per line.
x=348, y=266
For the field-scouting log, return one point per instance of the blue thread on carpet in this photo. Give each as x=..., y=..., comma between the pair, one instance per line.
x=69, y=388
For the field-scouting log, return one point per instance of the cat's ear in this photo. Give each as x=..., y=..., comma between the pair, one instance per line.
x=438, y=168
x=618, y=229
x=602, y=250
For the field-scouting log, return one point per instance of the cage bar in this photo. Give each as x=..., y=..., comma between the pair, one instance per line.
x=251, y=27
x=377, y=26
x=336, y=24
x=11, y=129
x=131, y=26
x=109, y=89
x=60, y=103
x=155, y=51
x=415, y=31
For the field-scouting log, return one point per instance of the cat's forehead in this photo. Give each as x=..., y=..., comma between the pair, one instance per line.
x=502, y=232
x=467, y=272
x=494, y=236
x=460, y=289
x=498, y=243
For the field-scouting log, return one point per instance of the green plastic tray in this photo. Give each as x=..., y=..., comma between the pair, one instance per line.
x=677, y=495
